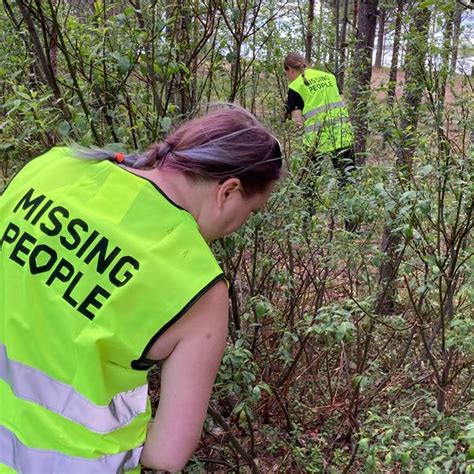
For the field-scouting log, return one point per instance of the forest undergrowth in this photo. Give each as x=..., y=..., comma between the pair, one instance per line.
x=348, y=352
x=316, y=377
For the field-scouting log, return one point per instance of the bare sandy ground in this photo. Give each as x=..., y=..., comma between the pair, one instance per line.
x=458, y=85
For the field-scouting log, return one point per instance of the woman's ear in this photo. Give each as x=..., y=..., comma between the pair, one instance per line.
x=227, y=190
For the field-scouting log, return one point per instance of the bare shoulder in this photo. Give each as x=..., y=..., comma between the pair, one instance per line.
x=209, y=312
x=217, y=294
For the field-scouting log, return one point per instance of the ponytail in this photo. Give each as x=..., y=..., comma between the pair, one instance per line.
x=222, y=144
x=153, y=157
x=305, y=81
x=297, y=62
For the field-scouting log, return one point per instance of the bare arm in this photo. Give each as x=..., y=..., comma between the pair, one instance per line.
x=297, y=117
x=188, y=374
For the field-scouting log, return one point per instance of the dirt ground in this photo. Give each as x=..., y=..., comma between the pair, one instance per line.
x=380, y=79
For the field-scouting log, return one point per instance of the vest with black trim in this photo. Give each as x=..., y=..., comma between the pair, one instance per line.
x=326, y=120
x=95, y=264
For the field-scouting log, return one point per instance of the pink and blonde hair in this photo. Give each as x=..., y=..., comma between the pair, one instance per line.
x=226, y=143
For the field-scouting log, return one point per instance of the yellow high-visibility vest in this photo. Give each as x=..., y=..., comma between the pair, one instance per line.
x=326, y=120
x=95, y=264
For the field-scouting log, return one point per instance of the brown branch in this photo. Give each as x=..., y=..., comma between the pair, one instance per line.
x=217, y=417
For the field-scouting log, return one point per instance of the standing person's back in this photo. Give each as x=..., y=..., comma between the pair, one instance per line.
x=326, y=120
x=315, y=105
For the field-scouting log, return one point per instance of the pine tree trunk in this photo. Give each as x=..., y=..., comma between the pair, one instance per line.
x=337, y=36
x=456, y=35
x=309, y=32
x=414, y=85
x=445, y=58
x=343, y=47
x=392, y=81
x=380, y=38
x=415, y=65
x=360, y=86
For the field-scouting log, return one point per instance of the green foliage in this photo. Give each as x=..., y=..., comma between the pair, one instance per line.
x=400, y=441
x=315, y=378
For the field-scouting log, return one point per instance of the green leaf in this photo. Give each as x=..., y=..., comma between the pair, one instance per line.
x=235, y=14
x=256, y=393
x=424, y=207
x=408, y=232
x=344, y=329
x=470, y=452
x=425, y=170
x=6, y=146
x=408, y=195
x=260, y=309
x=64, y=128
x=115, y=147
x=363, y=444
x=165, y=124
x=426, y=4
x=405, y=457
x=379, y=189
x=230, y=57
x=123, y=63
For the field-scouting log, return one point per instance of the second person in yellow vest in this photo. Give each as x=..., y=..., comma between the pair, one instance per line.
x=315, y=104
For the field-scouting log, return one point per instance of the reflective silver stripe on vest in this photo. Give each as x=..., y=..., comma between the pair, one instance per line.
x=26, y=460
x=314, y=127
x=36, y=386
x=324, y=108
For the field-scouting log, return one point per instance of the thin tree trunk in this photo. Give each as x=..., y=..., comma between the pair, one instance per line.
x=35, y=75
x=455, y=43
x=183, y=54
x=53, y=46
x=414, y=85
x=445, y=59
x=415, y=64
x=360, y=86
x=72, y=73
x=210, y=78
x=44, y=68
x=355, y=12
x=392, y=80
x=319, y=43
x=149, y=58
x=235, y=70
x=343, y=47
x=194, y=62
x=309, y=32
x=385, y=303
x=380, y=38
x=239, y=37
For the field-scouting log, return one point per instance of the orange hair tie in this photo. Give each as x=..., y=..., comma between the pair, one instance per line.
x=119, y=157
